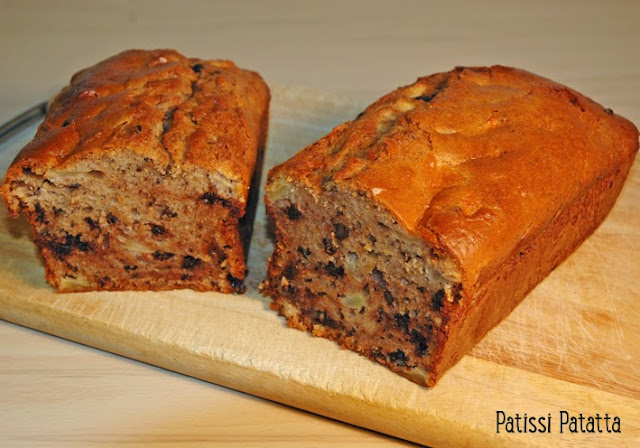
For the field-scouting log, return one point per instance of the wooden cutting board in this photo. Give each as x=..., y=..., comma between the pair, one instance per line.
x=573, y=345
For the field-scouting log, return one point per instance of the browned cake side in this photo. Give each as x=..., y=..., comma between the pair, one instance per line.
x=410, y=232
x=139, y=177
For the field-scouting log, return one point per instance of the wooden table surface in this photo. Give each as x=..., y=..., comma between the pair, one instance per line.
x=58, y=393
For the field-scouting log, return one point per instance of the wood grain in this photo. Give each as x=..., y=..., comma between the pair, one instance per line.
x=570, y=346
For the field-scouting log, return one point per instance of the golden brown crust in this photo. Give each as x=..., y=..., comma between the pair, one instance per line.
x=475, y=160
x=526, y=267
x=179, y=112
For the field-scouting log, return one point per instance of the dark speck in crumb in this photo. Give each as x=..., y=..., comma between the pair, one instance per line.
x=420, y=341
x=189, y=262
x=168, y=212
x=162, y=256
x=62, y=248
x=103, y=281
x=138, y=128
x=304, y=251
x=398, y=357
x=333, y=270
x=378, y=355
x=378, y=278
x=322, y=318
x=388, y=298
x=66, y=123
x=40, y=215
x=157, y=230
x=130, y=267
x=236, y=283
x=91, y=222
x=112, y=219
x=290, y=271
x=210, y=199
x=380, y=315
x=402, y=320
x=329, y=248
x=81, y=245
x=438, y=299
x=293, y=213
x=342, y=232
x=197, y=68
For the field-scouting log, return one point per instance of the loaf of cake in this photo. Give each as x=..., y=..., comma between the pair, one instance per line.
x=407, y=234
x=144, y=174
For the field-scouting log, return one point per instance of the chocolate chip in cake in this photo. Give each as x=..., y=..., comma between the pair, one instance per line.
x=420, y=341
x=168, y=213
x=293, y=213
x=189, y=262
x=81, y=245
x=378, y=278
x=290, y=271
x=157, y=230
x=40, y=215
x=104, y=281
x=210, y=199
x=92, y=224
x=304, y=251
x=197, y=68
x=236, y=283
x=138, y=129
x=329, y=248
x=438, y=299
x=162, y=256
x=402, y=321
x=322, y=318
x=62, y=249
x=333, y=270
x=341, y=231
x=398, y=357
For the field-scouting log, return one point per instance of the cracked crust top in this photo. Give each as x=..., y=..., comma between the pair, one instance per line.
x=476, y=161
x=181, y=113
